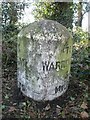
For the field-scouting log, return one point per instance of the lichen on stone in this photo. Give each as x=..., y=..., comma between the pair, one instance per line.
x=44, y=58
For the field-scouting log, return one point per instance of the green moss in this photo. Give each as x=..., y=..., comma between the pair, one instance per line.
x=22, y=54
x=23, y=42
x=65, y=59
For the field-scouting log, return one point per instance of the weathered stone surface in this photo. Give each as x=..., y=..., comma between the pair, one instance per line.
x=44, y=57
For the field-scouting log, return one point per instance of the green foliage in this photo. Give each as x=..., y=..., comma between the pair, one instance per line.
x=62, y=12
x=80, y=36
x=11, y=12
x=81, y=58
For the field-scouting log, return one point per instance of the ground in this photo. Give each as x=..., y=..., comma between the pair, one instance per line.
x=72, y=104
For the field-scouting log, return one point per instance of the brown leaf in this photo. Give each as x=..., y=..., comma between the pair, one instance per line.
x=32, y=114
x=84, y=114
x=84, y=105
x=12, y=109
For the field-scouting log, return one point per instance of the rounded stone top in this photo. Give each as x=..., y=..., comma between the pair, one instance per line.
x=45, y=29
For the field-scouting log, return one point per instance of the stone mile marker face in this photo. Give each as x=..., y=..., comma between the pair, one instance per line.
x=44, y=56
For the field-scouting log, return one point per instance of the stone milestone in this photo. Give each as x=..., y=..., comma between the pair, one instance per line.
x=43, y=60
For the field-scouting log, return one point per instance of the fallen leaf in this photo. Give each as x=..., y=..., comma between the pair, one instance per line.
x=84, y=114
x=24, y=103
x=1, y=101
x=58, y=106
x=72, y=98
x=3, y=106
x=58, y=110
x=47, y=107
x=14, y=103
x=43, y=114
x=32, y=114
x=12, y=109
x=6, y=96
x=8, y=88
x=63, y=114
x=84, y=105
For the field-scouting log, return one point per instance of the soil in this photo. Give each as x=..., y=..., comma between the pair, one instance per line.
x=16, y=105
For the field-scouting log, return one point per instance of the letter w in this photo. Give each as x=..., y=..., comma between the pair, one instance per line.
x=45, y=65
